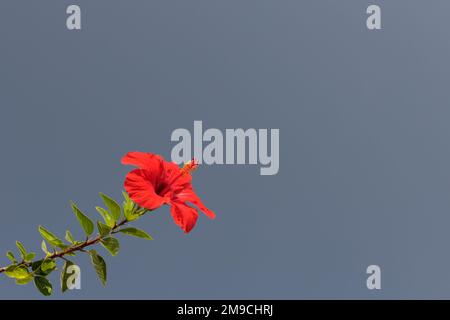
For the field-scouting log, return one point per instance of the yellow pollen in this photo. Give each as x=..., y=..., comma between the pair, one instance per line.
x=190, y=167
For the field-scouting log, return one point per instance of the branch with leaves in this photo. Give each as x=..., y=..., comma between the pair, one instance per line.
x=116, y=218
x=156, y=182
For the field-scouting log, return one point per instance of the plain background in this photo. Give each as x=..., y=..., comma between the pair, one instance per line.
x=364, y=152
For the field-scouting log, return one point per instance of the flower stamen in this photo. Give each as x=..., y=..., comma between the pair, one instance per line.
x=190, y=166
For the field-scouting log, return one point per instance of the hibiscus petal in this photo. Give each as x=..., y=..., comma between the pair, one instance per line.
x=139, y=185
x=184, y=216
x=188, y=195
x=174, y=176
x=143, y=160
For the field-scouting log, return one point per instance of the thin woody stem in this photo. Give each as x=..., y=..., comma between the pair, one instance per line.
x=75, y=248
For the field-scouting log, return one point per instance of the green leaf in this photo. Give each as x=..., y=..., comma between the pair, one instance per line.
x=103, y=229
x=111, y=244
x=128, y=208
x=69, y=237
x=130, y=216
x=112, y=205
x=43, y=267
x=126, y=197
x=24, y=280
x=9, y=270
x=48, y=265
x=85, y=222
x=44, y=247
x=11, y=257
x=51, y=238
x=43, y=285
x=30, y=256
x=99, y=264
x=36, y=268
x=136, y=233
x=36, y=265
x=109, y=219
x=17, y=272
x=22, y=250
x=65, y=276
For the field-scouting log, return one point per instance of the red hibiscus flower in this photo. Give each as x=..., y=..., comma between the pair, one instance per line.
x=159, y=182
